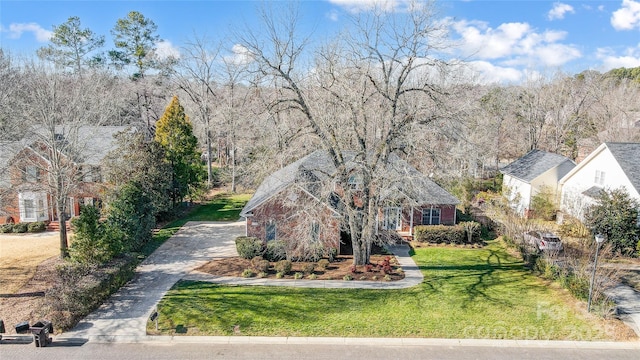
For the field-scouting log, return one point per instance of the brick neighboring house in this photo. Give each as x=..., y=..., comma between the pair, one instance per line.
x=294, y=201
x=24, y=187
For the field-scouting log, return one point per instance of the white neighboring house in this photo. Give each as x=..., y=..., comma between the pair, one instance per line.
x=527, y=176
x=610, y=166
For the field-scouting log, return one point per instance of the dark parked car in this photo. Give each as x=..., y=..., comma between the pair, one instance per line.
x=543, y=241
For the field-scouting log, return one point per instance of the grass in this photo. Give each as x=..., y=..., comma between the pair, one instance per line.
x=467, y=293
x=223, y=207
x=20, y=255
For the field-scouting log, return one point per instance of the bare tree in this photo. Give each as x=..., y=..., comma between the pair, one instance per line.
x=365, y=95
x=195, y=75
x=53, y=110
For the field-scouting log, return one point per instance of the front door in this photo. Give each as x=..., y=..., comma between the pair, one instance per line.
x=392, y=219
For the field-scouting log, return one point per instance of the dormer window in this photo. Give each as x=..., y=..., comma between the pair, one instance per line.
x=355, y=182
x=599, y=178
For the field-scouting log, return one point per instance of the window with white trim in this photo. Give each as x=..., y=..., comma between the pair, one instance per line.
x=31, y=173
x=431, y=216
x=599, y=178
x=32, y=206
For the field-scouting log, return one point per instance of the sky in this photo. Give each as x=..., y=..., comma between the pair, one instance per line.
x=504, y=40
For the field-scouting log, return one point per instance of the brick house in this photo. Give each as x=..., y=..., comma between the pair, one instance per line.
x=294, y=202
x=24, y=184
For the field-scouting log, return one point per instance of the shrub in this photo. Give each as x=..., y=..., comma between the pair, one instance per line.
x=247, y=273
x=323, y=264
x=83, y=289
x=572, y=227
x=312, y=277
x=276, y=250
x=543, y=204
x=38, y=226
x=20, y=228
x=368, y=267
x=248, y=247
x=92, y=244
x=387, y=277
x=260, y=264
x=458, y=234
x=308, y=268
x=6, y=228
x=332, y=254
x=283, y=266
x=385, y=266
x=347, y=277
x=279, y=275
x=298, y=275
x=262, y=274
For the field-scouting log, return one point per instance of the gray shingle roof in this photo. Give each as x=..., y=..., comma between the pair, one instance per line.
x=533, y=164
x=628, y=156
x=319, y=166
x=594, y=192
x=90, y=143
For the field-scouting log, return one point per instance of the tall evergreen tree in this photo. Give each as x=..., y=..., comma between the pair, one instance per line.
x=174, y=133
x=71, y=44
x=135, y=39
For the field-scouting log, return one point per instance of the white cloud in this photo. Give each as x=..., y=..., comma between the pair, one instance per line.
x=16, y=30
x=491, y=74
x=559, y=10
x=514, y=44
x=627, y=17
x=356, y=6
x=611, y=60
x=332, y=15
x=166, y=50
x=240, y=55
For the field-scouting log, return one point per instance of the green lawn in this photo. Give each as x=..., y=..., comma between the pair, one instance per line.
x=223, y=207
x=467, y=293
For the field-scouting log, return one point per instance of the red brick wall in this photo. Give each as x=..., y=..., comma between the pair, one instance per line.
x=289, y=217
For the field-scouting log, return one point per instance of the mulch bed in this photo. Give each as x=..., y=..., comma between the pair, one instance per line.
x=337, y=270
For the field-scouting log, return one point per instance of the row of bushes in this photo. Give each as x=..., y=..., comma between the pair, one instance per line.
x=467, y=232
x=32, y=227
x=276, y=250
x=83, y=289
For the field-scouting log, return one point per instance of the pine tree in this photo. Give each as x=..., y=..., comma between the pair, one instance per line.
x=71, y=44
x=174, y=133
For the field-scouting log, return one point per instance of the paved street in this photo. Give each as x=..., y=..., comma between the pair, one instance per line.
x=356, y=349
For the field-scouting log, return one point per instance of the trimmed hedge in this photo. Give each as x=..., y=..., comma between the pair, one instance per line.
x=6, y=228
x=84, y=288
x=38, y=226
x=249, y=247
x=439, y=234
x=20, y=228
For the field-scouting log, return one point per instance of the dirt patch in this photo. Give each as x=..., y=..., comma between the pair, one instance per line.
x=21, y=254
x=28, y=303
x=337, y=270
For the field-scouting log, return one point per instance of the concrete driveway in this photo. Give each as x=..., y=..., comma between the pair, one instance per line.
x=125, y=314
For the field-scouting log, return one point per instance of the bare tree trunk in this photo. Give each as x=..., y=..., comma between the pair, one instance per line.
x=209, y=169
